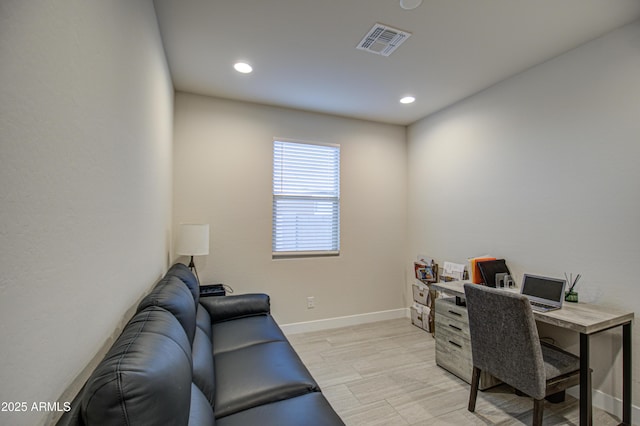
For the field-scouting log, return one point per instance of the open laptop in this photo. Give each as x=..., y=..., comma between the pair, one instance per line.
x=544, y=293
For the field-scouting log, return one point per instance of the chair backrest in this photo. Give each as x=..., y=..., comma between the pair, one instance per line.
x=504, y=338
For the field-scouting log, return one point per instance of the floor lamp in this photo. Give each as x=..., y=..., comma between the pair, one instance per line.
x=193, y=240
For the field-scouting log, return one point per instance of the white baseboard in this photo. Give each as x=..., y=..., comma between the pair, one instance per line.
x=337, y=322
x=609, y=404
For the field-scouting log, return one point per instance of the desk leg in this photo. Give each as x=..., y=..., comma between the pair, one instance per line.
x=433, y=295
x=585, y=392
x=626, y=374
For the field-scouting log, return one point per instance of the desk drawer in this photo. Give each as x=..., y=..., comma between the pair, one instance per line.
x=456, y=359
x=453, y=326
x=453, y=342
x=447, y=307
x=454, y=355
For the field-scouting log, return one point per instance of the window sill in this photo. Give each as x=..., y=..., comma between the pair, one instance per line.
x=303, y=254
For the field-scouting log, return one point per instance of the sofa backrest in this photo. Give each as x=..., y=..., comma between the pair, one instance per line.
x=175, y=293
x=172, y=294
x=183, y=272
x=146, y=376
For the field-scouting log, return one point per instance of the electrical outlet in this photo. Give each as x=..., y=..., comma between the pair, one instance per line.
x=311, y=303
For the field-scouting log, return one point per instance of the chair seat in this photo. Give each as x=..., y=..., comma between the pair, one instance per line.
x=558, y=362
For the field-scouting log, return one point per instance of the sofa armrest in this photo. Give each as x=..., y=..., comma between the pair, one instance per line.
x=223, y=308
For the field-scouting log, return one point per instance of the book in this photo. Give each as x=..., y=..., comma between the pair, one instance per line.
x=476, y=275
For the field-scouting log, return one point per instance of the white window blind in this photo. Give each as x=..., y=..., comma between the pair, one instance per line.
x=306, y=199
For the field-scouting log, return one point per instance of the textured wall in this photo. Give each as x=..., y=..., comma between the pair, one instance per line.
x=223, y=165
x=86, y=109
x=542, y=170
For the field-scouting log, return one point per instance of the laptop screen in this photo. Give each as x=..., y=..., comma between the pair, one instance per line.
x=544, y=289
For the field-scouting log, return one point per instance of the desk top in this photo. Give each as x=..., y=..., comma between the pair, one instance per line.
x=584, y=318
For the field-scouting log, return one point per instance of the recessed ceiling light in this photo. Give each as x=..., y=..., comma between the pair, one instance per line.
x=407, y=100
x=243, y=67
x=410, y=4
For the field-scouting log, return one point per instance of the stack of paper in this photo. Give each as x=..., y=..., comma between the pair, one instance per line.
x=453, y=270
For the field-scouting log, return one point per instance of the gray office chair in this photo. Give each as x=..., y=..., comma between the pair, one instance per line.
x=505, y=344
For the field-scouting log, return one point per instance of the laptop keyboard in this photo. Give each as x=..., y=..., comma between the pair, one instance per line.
x=537, y=306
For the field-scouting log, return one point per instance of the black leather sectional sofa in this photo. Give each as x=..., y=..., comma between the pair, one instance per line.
x=186, y=360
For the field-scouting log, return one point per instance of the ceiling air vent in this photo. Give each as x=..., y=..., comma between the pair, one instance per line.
x=383, y=40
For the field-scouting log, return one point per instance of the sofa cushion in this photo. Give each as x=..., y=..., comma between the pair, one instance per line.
x=257, y=375
x=145, y=378
x=201, y=413
x=243, y=332
x=203, y=320
x=203, y=374
x=174, y=296
x=311, y=409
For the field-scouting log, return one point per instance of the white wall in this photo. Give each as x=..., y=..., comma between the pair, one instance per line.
x=542, y=170
x=222, y=176
x=85, y=184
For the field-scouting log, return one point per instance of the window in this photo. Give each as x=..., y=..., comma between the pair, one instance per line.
x=306, y=199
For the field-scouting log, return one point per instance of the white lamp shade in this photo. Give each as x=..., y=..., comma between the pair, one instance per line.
x=193, y=239
x=410, y=4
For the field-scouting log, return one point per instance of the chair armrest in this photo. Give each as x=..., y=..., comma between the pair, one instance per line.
x=225, y=308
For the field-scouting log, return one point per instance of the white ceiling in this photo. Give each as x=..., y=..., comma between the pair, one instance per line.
x=304, y=54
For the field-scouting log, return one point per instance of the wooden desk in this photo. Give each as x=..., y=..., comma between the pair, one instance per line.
x=586, y=319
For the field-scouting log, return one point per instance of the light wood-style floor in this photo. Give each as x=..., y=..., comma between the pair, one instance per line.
x=385, y=373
